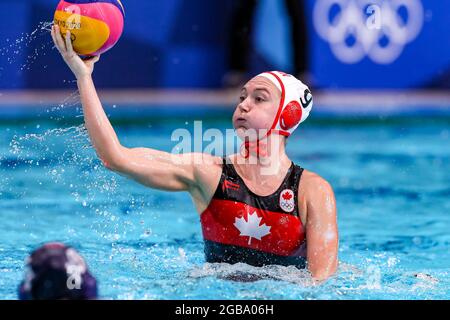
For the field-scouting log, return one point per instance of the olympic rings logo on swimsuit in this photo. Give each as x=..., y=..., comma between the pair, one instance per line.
x=352, y=22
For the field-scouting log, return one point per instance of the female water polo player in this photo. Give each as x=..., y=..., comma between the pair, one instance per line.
x=286, y=217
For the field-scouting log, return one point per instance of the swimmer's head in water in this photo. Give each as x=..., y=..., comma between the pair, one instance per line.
x=272, y=101
x=55, y=271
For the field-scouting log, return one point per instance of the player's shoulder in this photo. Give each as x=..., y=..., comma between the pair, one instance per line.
x=312, y=182
x=206, y=166
x=316, y=195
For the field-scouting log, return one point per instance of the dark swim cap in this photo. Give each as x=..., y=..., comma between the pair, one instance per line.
x=55, y=271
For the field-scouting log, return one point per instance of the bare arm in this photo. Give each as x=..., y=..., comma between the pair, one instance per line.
x=102, y=135
x=321, y=229
x=150, y=167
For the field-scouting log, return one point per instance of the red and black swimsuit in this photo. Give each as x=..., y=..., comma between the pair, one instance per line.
x=240, y=226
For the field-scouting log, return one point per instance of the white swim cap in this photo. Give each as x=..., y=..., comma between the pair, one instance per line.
x=295, y=104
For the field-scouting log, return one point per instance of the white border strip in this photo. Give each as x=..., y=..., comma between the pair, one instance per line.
x=334, y=101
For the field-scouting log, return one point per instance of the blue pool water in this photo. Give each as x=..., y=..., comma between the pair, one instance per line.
x=391, y=178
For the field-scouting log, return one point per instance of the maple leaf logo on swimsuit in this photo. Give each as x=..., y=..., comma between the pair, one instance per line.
x=287, y=196
x=251, y=228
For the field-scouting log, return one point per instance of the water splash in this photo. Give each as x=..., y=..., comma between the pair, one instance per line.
x=368, y=279
x=56, y=112
x=242, y=272
x=71, y=100
x=64, y=153
x=40, y=150
x=14, y=48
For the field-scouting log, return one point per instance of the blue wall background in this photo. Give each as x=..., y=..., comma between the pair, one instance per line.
x=183, y=44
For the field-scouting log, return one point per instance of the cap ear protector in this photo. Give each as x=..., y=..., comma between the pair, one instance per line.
x=291, y=115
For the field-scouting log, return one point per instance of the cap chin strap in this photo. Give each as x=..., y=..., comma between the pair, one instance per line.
x=255, y=147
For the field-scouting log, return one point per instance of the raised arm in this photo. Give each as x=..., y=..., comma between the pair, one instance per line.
x=150, y=167
x=321, y=229
x=101, y=133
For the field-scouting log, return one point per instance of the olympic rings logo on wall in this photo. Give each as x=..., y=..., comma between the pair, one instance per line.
x=361, y=28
